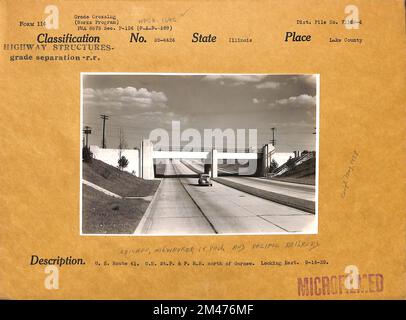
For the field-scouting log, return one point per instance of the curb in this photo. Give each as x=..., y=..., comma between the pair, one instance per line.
x=143, y=222
x=105, y=191
x=301, y=204
x=291, y=181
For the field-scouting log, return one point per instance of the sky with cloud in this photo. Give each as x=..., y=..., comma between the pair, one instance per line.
x=138, y=104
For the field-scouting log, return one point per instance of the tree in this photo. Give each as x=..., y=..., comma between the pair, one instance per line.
x=87, y=155
x=274, y=165
x=122, y=143
x=122, y=163
x=290, y=163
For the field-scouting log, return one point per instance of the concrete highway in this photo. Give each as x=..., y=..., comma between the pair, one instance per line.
x=302, y=191
x=183, y=207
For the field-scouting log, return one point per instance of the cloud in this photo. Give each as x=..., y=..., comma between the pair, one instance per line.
x=257, y=100
x=309, y=80
x=235, y=80
x=311, y=114
x=268, y=85
x=151, y=113
x=302, y=100
x=129, y=96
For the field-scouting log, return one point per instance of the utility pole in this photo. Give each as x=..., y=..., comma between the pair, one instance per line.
x=104, y=117
x=87, y=130
x=273, y=137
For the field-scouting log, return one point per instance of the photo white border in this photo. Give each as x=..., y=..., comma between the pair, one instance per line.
x=310, y=232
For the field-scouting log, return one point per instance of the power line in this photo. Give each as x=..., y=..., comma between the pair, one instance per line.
x=104, y=117
x=273, y=137
x=87, y=130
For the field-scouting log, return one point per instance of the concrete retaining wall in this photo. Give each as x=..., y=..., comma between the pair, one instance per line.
x=110, y=156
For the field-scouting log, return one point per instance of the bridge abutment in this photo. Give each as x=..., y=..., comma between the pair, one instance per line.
x=267, y=151
x=147, y=161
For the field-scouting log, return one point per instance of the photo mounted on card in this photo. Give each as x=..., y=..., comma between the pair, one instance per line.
x=161, y=159
x=202, y=150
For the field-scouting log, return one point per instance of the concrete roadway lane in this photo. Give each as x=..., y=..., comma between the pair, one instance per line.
x=217, y=209
x=173, y=210
x=302, y=191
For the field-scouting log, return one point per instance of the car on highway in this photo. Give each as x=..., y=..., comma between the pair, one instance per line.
x=204, y=180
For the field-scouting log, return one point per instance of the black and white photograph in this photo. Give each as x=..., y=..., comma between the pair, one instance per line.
x=199, y=154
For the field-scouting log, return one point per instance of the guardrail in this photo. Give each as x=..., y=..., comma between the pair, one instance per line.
x=284, y=168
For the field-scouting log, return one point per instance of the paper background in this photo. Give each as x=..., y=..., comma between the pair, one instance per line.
x=362, y=108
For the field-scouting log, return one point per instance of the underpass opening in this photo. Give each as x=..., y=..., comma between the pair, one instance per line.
x=173, y=168
x=213, y=162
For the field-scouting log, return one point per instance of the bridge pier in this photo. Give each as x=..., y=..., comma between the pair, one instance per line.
x=267, y=151
x=214, y=163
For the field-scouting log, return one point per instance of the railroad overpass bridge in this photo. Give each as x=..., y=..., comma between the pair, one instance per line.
x=261, y=158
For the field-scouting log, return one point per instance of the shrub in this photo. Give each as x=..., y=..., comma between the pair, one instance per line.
x=290, y=163
x=122, y=162
x=274, y=165
x=87, y=155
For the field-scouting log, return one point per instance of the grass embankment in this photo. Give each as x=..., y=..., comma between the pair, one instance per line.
x=103, y=214
x=303, y=173
x=119, y=182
